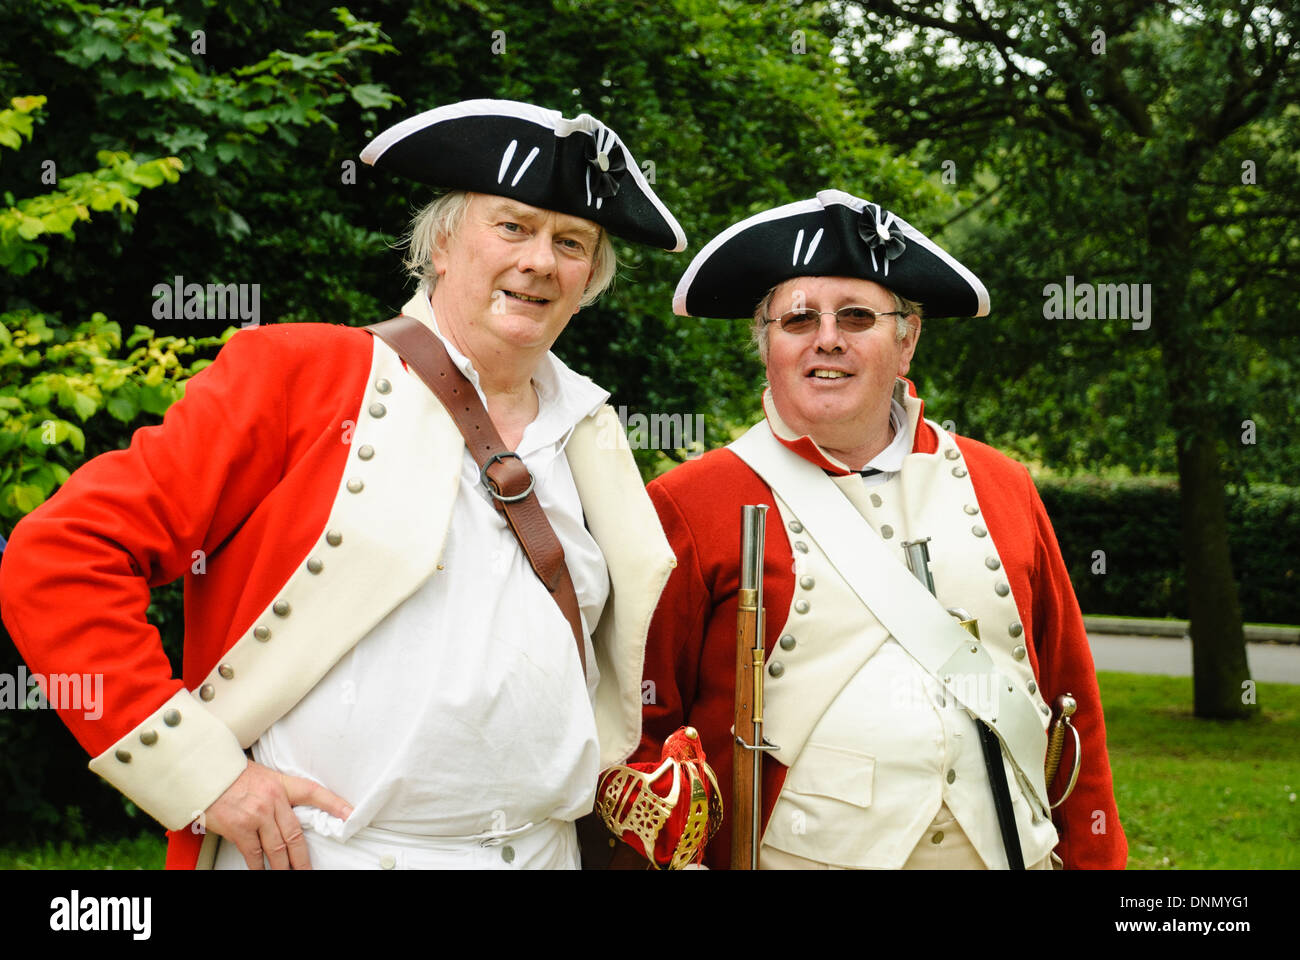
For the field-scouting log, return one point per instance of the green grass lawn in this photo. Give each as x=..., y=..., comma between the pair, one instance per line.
x=1192, y=794
x=147, y=851
x=1203, y=794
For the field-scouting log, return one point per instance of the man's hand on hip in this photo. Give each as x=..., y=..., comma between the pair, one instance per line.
x=256, y=815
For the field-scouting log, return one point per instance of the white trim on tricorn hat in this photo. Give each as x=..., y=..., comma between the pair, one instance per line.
x=834, y=234
x=576, y=166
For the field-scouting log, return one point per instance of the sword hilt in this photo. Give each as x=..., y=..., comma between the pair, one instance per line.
x=1065, y=707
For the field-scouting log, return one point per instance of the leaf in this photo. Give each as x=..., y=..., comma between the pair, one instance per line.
x=122, y=407
x=61, y=220
x=25, y=497
x=85, y=405
x=29, y=228
x=140, y=333
x=28, y=104
x=155, y=398
x=372, y=95
x=77, y=438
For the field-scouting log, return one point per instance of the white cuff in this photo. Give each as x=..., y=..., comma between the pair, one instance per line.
x=174, y=764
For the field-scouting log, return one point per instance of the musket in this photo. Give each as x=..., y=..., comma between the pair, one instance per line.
x=918, y=561
x=747, y=756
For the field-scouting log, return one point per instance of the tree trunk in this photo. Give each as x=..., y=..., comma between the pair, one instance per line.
x=1220, y=675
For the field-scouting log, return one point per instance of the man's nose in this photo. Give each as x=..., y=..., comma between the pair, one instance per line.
x=538, y=254
x=829, y=336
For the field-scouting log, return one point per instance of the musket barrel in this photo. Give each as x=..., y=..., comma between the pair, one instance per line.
x=750, y=654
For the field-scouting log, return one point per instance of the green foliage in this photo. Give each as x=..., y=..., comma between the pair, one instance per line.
x=113, y=186
x=1137, y=524
x=49, y=377
x=1169, y=158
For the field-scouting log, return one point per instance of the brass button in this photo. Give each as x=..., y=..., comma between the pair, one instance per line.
x=787, y=642
x=281, y=608
x=1045, y=708
x=992, y=563
x=979, y=531
x=227, y=671
x=123, y=755
x=377, y=410
x=333, y=538
x=356, y=485
x=1019, y=652
x=886, y=531
x=1015, y=629
x=207, y=692
x=172, y=717
x=366, y=451
x=796, y=526
x=508, y=854
x=807, y=582
x=937, y=838
x=801, y=546
x=690, y=733
x=801, y=606
x=951, y=454
x=776, y=668
x=383, y=386
x=314, y=565
x=1033, y=687
x=1001, y=589
x=959, y=472
x=971, y=509
x=149, y=737
x=262, y=633
x=952, y=775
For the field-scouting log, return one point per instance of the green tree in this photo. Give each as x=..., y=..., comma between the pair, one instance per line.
x=1140, y=142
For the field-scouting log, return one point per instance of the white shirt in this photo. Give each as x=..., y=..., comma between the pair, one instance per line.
x=464, y=712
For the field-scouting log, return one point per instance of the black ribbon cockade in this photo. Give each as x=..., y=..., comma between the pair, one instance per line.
x=607, y=167
x=880, y=232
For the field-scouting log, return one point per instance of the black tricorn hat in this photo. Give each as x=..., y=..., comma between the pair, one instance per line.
x=834, y=234
x=534, y=155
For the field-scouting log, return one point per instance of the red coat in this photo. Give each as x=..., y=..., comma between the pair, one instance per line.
x=77, y=573
x=690, y=657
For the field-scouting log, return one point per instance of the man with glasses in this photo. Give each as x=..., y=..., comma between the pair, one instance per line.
x=887, y=719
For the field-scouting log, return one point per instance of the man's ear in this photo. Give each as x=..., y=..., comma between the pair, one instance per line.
x=909, y=345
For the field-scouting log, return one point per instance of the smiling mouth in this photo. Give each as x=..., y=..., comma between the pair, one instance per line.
x=525, y=298
x=820, y=374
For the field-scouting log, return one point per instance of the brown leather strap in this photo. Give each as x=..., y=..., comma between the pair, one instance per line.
x=508, y=480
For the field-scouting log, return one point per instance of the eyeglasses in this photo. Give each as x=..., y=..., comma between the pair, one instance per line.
x=850, y=319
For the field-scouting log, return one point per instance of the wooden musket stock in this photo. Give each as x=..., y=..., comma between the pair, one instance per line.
x=746, y=806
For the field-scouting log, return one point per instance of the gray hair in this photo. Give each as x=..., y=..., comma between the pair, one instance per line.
x=903, y=322
x=440, y=220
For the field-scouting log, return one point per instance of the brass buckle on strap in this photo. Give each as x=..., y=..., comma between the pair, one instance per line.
x=488, y=482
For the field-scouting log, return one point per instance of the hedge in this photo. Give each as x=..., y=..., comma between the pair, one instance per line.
x=1136, y=525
